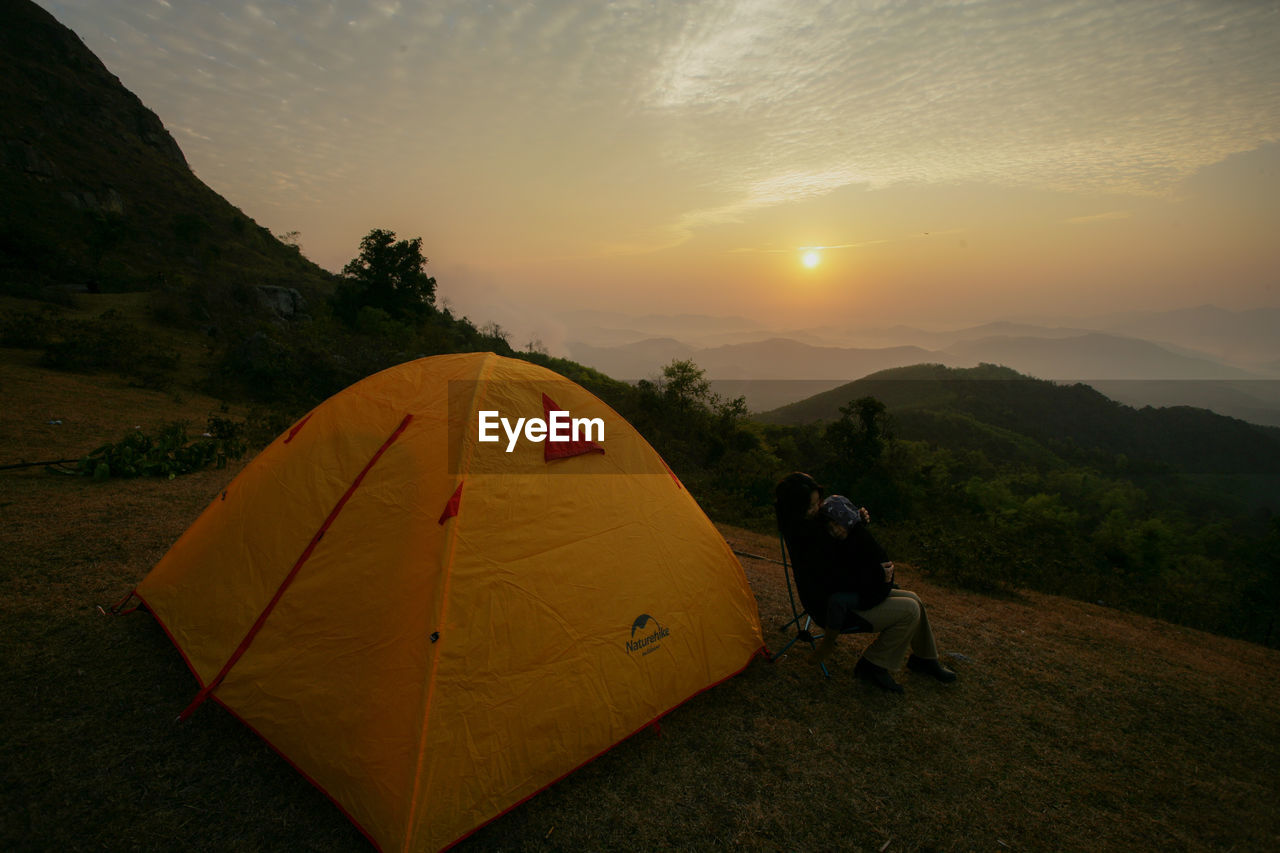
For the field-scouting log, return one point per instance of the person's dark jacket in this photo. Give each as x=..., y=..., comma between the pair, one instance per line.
x=824, y=565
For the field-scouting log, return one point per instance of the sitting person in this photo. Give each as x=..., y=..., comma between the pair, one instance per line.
x=845, y=582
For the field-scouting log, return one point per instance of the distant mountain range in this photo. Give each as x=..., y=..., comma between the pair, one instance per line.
x=776, y=358
x=1249, y=339
x=1208, y=357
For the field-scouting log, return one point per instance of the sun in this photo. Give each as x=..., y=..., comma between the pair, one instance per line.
x=811, y=258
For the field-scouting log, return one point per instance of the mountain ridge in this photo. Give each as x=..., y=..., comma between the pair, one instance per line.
x=1073, y=419
x=98, y=193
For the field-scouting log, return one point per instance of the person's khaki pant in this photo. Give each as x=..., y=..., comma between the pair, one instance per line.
x=902, y=625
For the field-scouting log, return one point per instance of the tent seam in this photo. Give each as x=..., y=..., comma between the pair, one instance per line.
x=447, y=566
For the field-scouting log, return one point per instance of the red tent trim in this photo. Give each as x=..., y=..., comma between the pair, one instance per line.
x=298, y=427
x=306, y=554
x=563, y=449
x=679, y=484
x=451, y=508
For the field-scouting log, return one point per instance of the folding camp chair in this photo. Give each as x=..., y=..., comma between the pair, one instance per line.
x=800, y=617
x=798, y=613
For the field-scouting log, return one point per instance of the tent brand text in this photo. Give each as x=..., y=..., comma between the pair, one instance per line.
x=645, y=643
x=558, y=427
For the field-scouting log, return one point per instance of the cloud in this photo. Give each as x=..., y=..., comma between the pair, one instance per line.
x=1078, y=96
x=767, y=250
x=713, y=110
x=1109, y=216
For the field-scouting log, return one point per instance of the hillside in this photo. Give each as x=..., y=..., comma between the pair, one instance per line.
x=98, y=196
x=1073, y=727
x=1063, y=418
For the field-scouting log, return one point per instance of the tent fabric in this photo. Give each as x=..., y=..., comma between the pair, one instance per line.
x=431, y=628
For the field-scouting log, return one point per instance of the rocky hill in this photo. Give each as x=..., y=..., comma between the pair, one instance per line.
x=95, y=194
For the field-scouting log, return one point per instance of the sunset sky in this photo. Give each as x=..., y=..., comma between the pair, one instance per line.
x=949, y=162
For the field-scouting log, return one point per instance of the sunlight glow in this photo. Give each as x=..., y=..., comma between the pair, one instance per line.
x=811, y=259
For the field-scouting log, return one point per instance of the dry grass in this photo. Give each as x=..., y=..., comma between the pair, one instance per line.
x=1072, y=727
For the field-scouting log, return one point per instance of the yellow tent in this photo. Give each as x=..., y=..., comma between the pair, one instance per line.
x=432, y=627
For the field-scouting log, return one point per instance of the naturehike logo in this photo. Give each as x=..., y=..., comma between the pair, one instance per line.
x=558, y=427
x=647, y=642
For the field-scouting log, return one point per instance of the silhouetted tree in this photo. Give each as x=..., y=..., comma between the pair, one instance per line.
x=686, y=385
x=388, y=275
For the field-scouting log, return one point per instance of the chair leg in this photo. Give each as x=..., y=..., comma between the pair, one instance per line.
x=785, y=648
x=795, y=621
x=802, y=634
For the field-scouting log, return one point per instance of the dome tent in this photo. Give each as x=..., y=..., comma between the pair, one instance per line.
x=431, y=627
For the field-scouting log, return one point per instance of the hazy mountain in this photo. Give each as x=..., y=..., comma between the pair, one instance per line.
x=612, y=328
x=1090, y=356
x=639, y=360
x=936, y=340
x=1247, y=339
x=95, y=193
x=780, y=358
x=1250, y=338
x=774, y=359
x=1239, y=339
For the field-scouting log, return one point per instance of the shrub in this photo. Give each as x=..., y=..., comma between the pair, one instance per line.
x=24, y=330
x=109, y=342
x=167, y=454
x=89, y=345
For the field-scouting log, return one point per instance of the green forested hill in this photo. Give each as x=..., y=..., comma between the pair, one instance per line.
x=989, y=405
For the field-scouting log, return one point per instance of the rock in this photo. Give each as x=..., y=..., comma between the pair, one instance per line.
x=20, y=154
x=285, y=302
x=106, y=202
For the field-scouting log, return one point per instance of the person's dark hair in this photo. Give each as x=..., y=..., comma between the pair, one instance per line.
x=791, y=500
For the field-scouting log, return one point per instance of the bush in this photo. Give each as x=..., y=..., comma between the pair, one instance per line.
x=109, y=342
x=167, y=454
x=90, y=345
x=290, y=368
x=24, y=330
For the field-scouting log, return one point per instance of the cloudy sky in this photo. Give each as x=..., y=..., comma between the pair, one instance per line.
x=945, y=162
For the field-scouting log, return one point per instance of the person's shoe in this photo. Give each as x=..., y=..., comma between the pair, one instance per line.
x=823, y=650
x=931, y=666
x=877, y=675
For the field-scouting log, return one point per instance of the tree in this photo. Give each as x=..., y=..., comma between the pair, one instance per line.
x=388, y=275
x=687, y=386
x=859, y=436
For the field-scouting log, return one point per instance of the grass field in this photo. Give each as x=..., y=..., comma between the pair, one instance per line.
x=1072, y=727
